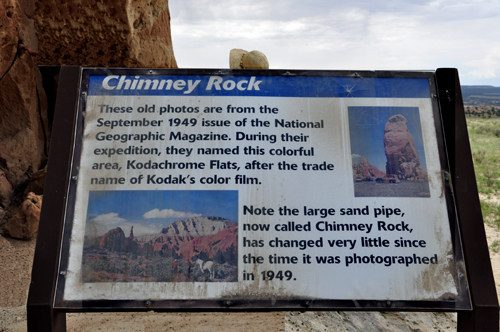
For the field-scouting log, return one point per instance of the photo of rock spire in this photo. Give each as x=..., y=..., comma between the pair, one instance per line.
x=399, y=146
x=387, y=150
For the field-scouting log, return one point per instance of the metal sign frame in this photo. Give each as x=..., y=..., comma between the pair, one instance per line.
x=465, y=219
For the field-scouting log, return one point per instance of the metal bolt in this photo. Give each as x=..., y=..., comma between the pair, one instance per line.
x=63, y=273
x=73, y=177
x=434, y=96
x=150, y=71
x=148, y=303
x=447, y=178
x=307, y=303
x=356, y=74
x=84, y=93
x=228, y=303
x=388, y=303
x=461, y=275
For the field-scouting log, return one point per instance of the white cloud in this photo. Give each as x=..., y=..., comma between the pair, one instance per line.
x=361, y=35
x=101, y=224
x=169, y=213
x=109, y=218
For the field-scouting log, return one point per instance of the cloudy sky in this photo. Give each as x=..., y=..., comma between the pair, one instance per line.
x=151, y=210
x=344, y=35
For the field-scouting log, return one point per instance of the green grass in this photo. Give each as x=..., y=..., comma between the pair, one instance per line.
x=484, y=135
x=491, y=213
x=483, y=129
x=495, y=246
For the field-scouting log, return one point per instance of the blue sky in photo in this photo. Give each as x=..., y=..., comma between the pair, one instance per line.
x=366, y=129
x=343, y=35
x=151, y=210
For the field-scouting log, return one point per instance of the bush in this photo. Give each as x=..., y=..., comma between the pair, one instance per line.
x=478, y=156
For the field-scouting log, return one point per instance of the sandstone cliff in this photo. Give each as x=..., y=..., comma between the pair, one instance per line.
x=119, y=33
x=123, y=33
x=24, y=125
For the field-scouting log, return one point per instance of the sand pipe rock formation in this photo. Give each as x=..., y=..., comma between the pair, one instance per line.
x=105, y=33
x=402, y=157
x=241, y=59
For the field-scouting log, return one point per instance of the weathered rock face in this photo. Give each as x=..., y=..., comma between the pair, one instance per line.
x=24, y=126
x=364, y=168
x=402, y=157
x=10, y=23
x=105, y=33
x=113, y=240
x=130, y=33
x=197, y=226
x=16, y=31
x=24, y=224
x=36, y=182
x=5, y=190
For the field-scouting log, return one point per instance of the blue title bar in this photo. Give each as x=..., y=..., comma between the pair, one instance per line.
x=263, y=86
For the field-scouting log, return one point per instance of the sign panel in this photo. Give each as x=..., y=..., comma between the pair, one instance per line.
x=247, y=186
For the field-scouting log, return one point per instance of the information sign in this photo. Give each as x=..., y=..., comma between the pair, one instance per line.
x=193, y=187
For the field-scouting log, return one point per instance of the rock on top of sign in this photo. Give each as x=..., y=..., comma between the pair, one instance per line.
x=241, y=59
x=402, y=157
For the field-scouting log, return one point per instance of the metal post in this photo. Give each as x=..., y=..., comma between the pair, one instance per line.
x=484, y=315
x=42, y=317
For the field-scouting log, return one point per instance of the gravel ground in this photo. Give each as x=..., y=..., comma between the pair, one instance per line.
x=15, y=271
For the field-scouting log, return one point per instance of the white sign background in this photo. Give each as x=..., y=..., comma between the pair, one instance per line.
x=295, y=189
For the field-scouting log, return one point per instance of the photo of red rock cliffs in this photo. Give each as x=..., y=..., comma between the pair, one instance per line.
x=197, y=248
x=388, y=156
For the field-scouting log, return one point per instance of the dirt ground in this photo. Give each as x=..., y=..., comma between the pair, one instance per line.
x=15, y=271
x=492, y=234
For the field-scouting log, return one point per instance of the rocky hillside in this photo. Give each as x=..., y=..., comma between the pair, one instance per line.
x=195, y=235
x=183, y=238
x=115, y=241
x=224, y=243
x=481, y=95
x=364, y=168
x=167, y=256
x=197, y=226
